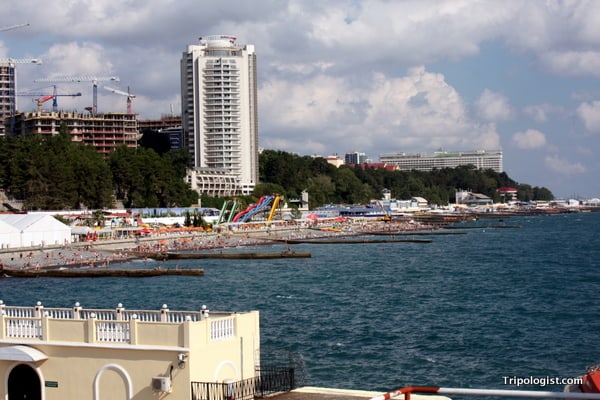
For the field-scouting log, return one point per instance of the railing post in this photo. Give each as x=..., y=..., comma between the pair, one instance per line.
x=204, y=312
x=133, y=328
x=77, y=311
x=2, y=323
x=187, y=326
x=38, y=309
x=91, y=328
x=45, y=326
x=2, y=306
x=164, y=311
x=119, y=312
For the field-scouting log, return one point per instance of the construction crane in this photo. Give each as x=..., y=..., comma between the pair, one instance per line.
x=11, y=27
x=87, y=78
x=11, y=63
x=44, y=97
x=127, y=93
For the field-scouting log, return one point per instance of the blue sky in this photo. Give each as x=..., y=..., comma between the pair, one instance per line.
x=339, y=76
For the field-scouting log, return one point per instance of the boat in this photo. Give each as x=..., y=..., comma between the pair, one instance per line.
x=98, y=272
x=588, y=383
x=228, y=256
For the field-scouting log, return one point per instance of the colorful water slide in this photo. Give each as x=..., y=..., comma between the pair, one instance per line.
x=247, y=210
x=252, y=209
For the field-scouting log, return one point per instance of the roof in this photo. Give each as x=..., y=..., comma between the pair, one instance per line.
x=507, y=190
x=27, y=222
x=21, y=353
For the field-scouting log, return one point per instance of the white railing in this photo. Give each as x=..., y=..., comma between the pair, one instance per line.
x=222, y=329
x=113, y=331
x=408, y=390
x=114, y=326
x=27, y=328
x=20, y=312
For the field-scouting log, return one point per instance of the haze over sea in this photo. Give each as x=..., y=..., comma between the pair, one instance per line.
x=465, y=310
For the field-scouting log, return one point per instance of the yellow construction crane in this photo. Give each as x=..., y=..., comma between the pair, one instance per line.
x=127, y=93
x=86, y=78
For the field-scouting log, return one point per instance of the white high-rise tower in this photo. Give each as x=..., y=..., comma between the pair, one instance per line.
x=219, y=115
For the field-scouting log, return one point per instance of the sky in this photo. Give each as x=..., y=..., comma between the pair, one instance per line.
x=370, y=76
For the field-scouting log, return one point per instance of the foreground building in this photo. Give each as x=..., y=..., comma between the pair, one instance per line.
x=104, y=131
x=79, y=353
x=220, y=116
x=481, y=159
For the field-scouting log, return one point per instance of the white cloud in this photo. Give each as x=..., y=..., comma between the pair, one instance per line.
x=530, y=139
x=563, y=167
x=69, y=59
x=368, y=75
x=589, y=113
x=493, y=106
x=575, y=63
x=417, y=112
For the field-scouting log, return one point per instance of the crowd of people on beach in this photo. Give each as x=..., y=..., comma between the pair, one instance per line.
x=98, y=254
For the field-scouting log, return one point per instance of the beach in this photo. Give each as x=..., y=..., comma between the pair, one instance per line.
x=101, y=253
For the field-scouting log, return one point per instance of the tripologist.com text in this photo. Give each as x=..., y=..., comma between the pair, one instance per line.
x=541, y=380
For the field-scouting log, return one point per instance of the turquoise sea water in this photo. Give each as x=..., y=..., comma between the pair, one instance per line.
x=462, y=311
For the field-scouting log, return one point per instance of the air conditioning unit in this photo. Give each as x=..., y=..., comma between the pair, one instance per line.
x=161, y=384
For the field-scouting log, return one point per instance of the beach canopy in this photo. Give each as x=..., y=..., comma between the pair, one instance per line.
x=33, y=230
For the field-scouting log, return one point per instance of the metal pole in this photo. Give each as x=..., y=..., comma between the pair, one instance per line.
x=406, y=391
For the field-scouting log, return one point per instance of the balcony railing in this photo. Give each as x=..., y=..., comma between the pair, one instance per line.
x=268, y=380
x=105, y=325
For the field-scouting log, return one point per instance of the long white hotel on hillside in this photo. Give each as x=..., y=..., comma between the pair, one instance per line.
x=220, y=116
x=481, y=159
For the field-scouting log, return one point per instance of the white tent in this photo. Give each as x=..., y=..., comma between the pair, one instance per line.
x=37, y=230
x=9, y=235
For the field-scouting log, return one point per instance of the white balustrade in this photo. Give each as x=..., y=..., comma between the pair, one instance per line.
x=222, y=329
x=109, y=325
x=23, y=328
x=113, y=331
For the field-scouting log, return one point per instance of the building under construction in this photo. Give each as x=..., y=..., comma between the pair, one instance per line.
x=104, y=131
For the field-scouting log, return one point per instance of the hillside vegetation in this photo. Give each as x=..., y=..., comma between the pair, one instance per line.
x=54, y=173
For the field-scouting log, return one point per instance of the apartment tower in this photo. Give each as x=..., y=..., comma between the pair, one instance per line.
x=219, y=115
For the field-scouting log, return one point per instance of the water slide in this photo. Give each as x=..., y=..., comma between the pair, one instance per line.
x=252, y=209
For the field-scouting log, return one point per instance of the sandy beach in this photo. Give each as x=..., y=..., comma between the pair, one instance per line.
x=102, y=253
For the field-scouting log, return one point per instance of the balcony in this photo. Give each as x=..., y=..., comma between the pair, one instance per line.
x=119, y=326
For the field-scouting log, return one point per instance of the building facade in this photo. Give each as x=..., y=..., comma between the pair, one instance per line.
x=219, y=112
x=7, y=93
x=81, y=353
x=102, y=131
x=481, y=159
x=355, y=158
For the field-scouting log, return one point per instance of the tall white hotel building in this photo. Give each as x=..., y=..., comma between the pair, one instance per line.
x=219, y=115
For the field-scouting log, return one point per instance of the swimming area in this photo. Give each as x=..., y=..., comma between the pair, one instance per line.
x=465, y=310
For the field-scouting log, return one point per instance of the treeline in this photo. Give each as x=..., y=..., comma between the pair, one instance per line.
x=290, y=174
x=54, y=173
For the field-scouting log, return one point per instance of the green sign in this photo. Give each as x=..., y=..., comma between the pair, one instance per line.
x=52, y=384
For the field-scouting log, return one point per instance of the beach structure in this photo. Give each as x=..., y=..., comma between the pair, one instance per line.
x=220, y=115
x=81, y=353
x=32, y=230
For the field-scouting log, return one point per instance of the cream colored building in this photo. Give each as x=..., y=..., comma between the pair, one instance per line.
x=79, y=353
x=219, y=108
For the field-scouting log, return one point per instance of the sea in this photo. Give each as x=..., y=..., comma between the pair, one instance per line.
x=506, y=303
